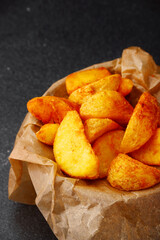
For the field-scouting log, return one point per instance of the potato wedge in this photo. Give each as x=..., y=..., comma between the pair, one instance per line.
x=106, y=149
x=107, y=104
x=142, y=124
x=158, y=116
x=78, y=79
x=82, y=94
x=96, y=127
x=47, y=133
x=149, y=153
x=126, y=173
x=50, y=109
x=125, y=86
x=72, y=151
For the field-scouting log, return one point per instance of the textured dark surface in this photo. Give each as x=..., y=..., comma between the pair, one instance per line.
x=42, y=41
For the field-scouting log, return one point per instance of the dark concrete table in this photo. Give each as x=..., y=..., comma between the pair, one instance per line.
x=42, y=41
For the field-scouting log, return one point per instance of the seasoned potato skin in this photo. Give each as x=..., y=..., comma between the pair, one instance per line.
x=142, y=124
x=47, y=133
x=95, y=127
x=106, y=149
x=50, y=109
x=78, y=79
x=149, y=153
x=158, y=116
x=107, y=104
x=110, y=82
x=72, y=151
x=126, y=173
x=125, y=86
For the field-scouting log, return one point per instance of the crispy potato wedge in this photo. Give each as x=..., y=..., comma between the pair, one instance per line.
x=142, y=124
x=47, y=133
x=50, y=109
x=107, y=104
x=106, y=149
x=149, y=153
x=158, y=116
x=96, y=127
x=72, y=151
x=110, y=82
x=78, y=79
x=125, y=86
x=126, y=173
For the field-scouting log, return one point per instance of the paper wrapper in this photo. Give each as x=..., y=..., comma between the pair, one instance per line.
x=77, y=209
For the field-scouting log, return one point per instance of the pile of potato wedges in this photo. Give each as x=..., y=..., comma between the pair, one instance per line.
x=96, y=133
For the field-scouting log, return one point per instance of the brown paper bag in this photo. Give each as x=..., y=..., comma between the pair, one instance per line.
x=77, y=209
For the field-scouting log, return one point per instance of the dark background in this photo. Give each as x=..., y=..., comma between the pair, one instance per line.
x=42, y=41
